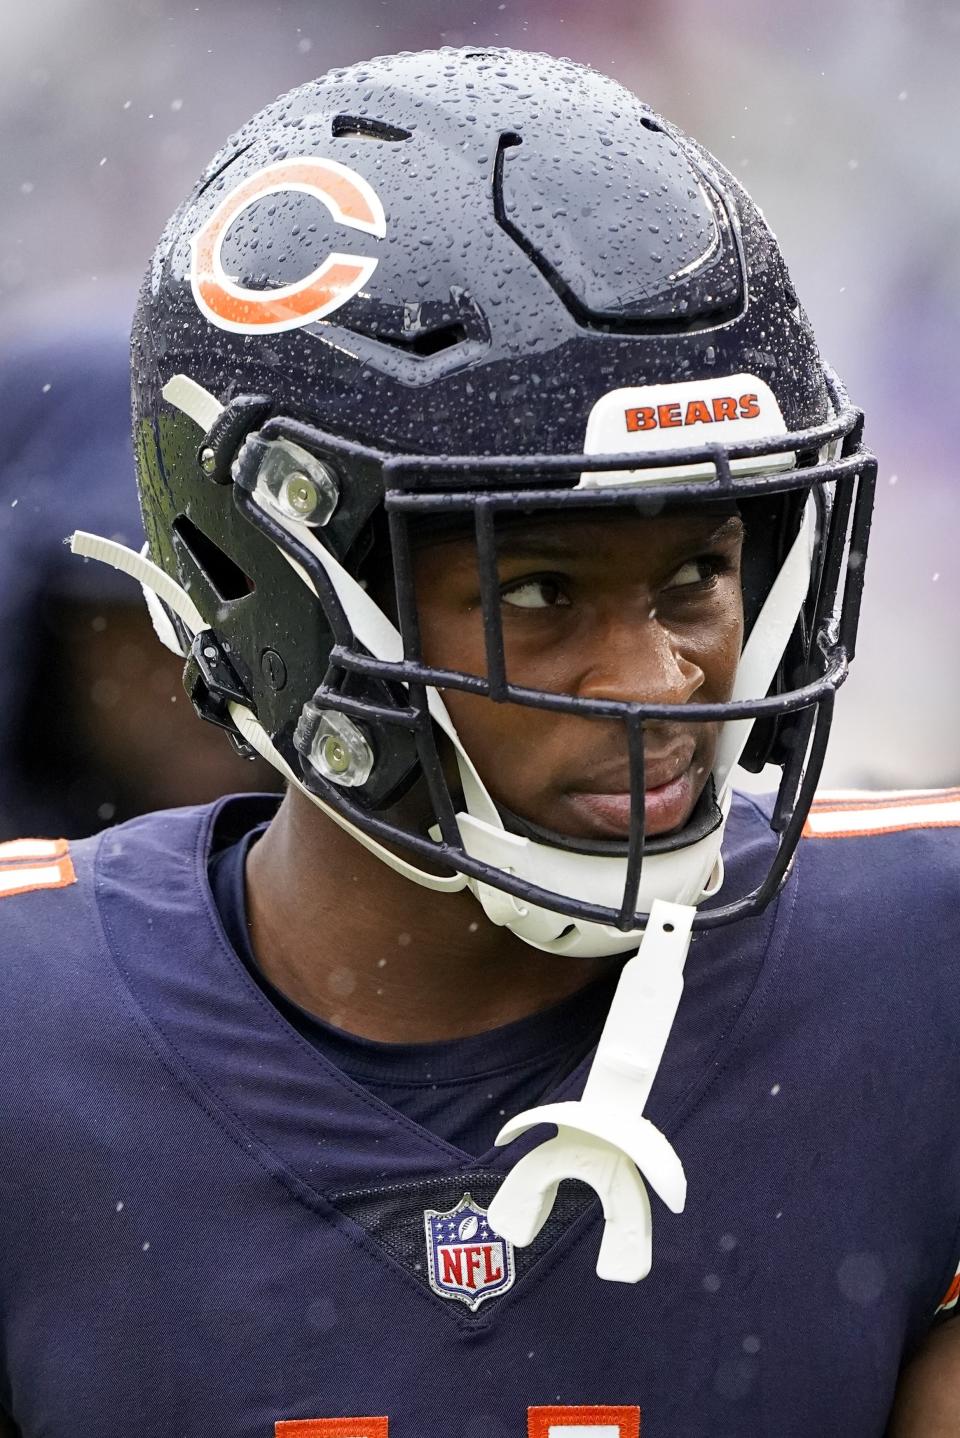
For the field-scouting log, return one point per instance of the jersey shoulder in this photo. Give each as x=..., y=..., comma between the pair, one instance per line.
x=58, y=896
x=881, y=872
x=899, y=849
x=865, y=814
x=875, y=881
x=45, y=892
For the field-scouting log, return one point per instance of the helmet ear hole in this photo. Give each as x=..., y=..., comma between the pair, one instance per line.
x=223, y=575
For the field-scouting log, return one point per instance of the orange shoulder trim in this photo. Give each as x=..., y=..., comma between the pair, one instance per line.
x=551, y=1422
x=27, y=864
x=847, y=814
x=331, y=1428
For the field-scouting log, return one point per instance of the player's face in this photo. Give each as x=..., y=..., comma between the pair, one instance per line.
x=624, y=608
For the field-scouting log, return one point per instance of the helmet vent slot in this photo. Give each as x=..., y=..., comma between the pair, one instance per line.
x=354, y=127
x=428, y=342
x=223, y=574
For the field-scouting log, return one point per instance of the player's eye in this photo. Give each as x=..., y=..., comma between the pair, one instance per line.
x=541, y=592
x=700, y=571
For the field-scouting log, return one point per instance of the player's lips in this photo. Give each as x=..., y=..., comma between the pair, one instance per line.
x=668, y=800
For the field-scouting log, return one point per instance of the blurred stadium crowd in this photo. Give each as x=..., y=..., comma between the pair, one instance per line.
x=839, y=116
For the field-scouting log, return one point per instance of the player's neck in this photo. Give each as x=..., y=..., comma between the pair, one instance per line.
x=345, y=937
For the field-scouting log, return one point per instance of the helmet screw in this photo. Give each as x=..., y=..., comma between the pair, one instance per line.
x=273, y=669
x=300, y=494
x=208, y=460
x=334, y=746
x=295, y=483
x=334, y=754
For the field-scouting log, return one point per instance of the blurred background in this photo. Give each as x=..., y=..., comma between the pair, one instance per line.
x=840, y=117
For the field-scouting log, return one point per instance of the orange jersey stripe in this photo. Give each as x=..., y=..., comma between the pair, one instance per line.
x=331, y=1428
x=551, y=1422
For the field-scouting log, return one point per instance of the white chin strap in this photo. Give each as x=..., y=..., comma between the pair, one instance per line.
x=602, y=1139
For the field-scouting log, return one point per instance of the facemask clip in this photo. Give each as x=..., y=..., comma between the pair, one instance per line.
x=212, y=685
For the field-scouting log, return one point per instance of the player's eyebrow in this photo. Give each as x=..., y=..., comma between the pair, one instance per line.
x=550, y=542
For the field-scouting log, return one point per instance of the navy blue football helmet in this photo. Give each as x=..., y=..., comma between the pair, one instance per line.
x=444, y=289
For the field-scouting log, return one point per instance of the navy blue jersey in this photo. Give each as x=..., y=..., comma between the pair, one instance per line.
x=462, y=1089
x=208, y=1228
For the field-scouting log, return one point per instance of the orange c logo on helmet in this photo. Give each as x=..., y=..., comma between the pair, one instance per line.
x=350, y=200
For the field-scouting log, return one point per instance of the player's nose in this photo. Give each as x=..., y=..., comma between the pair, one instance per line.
x=634, y=659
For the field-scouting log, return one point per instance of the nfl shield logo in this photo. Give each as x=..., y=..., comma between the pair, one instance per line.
x=465, y=1258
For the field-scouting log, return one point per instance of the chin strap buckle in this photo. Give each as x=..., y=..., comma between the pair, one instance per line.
x=603, y=1139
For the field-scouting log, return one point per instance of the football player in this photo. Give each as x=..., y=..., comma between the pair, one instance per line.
x=496, y=493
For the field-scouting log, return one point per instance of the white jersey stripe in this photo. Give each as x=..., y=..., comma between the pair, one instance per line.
x=47, y=876
x=884, y=817
x=18, y=850
x=860, y=797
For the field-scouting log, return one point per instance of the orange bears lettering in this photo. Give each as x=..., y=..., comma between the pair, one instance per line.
x=696, y=411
